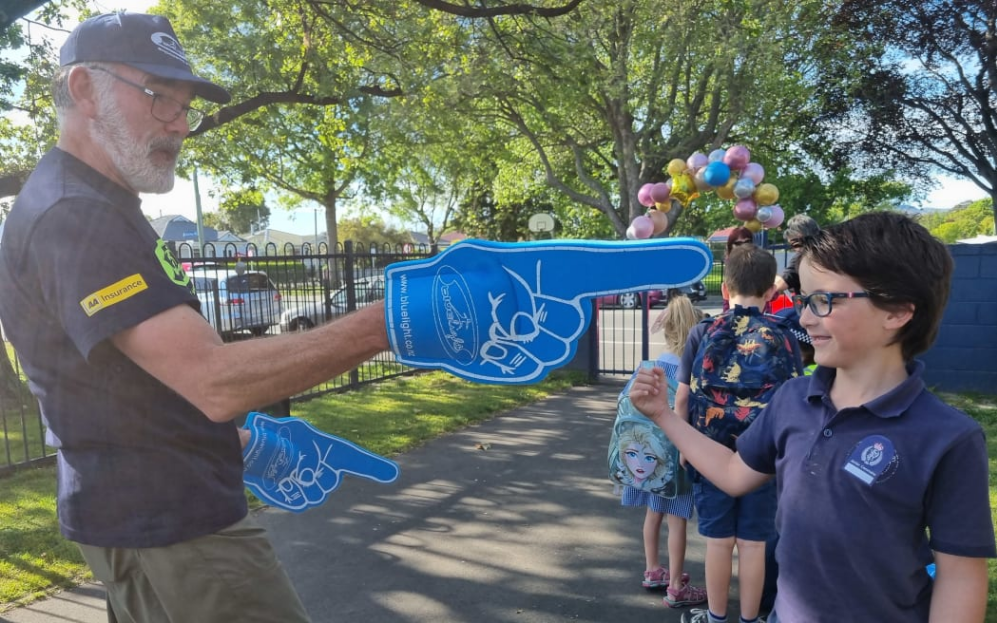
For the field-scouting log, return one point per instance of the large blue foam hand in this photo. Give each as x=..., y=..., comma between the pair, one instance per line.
x=291, y=464
x=496, y=312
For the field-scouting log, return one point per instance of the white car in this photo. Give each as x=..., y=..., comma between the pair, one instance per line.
x=308, y=314
x=237, y=300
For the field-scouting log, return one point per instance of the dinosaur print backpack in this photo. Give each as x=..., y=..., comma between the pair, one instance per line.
x=743, y=358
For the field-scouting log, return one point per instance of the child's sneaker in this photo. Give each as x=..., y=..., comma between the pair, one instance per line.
x=656, y=578
x=688, y=595
x=659, y=578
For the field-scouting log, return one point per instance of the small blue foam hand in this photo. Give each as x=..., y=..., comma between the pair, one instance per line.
x=496, y=312
x=290, y=464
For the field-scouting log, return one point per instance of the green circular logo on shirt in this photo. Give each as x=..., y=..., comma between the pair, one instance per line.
x=172, y=267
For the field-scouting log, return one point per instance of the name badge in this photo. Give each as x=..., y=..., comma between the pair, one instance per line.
x=870, y=458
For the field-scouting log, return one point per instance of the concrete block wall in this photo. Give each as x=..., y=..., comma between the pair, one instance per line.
x=964, y=357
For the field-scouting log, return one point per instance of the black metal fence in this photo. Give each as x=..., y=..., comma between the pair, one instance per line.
x=246, y=292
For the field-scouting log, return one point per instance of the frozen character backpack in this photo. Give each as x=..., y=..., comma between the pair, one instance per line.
x=640, y=455
x=743, y=358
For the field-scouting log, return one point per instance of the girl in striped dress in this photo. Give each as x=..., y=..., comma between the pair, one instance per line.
x=676, y=322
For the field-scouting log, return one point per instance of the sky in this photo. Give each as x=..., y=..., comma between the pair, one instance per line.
x=181, y=199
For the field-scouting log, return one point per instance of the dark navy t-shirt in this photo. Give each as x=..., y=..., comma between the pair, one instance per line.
x=138, y=465
x=859, y=487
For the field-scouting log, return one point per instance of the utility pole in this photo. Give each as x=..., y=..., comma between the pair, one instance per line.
x=200, y=220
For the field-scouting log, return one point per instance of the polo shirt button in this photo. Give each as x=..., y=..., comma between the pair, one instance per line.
x=827, y=432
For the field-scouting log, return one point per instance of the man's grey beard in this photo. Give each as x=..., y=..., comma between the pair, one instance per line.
x=131, y=159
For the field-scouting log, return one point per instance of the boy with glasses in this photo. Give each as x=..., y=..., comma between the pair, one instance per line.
x=868, y=461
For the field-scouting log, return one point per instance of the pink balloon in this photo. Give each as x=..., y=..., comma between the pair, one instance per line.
x=643, y=227
x=697, y=161
x=777, y=217
x=737, y=157
x=754, y=172
x=745, y=209
x=644, y=195
x=660, y=192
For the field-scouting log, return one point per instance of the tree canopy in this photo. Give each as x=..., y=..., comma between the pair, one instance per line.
x=925, y=97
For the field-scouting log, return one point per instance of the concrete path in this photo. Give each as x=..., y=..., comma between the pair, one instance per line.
x=512, y=520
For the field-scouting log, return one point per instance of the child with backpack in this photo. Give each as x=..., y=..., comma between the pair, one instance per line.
x=876, y=475
x=675, y=500
x=731, y=367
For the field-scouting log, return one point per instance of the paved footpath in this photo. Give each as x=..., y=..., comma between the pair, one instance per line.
x=526, y=530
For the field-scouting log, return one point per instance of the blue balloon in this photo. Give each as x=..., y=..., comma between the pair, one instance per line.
x=716, y=174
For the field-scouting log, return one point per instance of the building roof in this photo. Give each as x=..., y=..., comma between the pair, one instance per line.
x=721, y=235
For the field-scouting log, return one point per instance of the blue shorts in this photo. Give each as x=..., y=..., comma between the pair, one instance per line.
x=750, y=517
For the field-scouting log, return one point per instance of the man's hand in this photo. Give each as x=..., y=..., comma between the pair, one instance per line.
x=497, y=312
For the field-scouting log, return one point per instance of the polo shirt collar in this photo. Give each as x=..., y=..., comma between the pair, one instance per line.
x=891, y=404
x=90, y=176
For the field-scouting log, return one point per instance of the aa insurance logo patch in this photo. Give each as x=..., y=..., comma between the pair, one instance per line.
x=113, y=294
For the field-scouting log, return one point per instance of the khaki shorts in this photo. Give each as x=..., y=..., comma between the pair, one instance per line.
x=231, y=575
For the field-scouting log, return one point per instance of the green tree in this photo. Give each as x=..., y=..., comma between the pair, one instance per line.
x=240, y=211
x=967, y=222
x=925, y=98
x=645, y=82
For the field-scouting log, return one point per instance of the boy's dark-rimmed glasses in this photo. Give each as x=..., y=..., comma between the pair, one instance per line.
x=164, y=108
x=738, y=243
x=820, y=302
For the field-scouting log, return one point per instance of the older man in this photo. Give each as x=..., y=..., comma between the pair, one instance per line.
x=136, y=388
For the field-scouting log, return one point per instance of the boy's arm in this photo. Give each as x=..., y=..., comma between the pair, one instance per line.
x=960, y=591
x=721, y=466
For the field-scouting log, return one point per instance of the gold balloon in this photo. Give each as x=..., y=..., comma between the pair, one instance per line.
x=676, y=167
x=727, y=190
x=753, y=225
x=659, y=219
x=766, y=194
x=684, y=189
x=664, y=206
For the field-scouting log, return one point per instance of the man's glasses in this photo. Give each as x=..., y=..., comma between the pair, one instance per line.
x=738, y=243
x=820, y=302
x=164, y=107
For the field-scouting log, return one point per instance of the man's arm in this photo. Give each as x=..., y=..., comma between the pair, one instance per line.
x=721, y=466
x=960, y=591
x=180, y=349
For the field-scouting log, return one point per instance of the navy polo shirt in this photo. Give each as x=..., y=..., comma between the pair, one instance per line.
x=138, y=465
x=857, y=490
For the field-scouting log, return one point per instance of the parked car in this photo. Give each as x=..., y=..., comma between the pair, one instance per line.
x=308, y=314
x=655, y=298
x=235, y=301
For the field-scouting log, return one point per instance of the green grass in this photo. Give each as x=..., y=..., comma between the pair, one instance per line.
x=388, y=418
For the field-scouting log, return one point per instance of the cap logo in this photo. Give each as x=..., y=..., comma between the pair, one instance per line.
x=169, y=46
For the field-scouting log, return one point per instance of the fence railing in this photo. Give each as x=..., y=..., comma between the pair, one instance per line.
x=304, y=282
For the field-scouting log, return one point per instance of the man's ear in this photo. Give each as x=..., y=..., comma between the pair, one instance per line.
x=81, y=89
x=723, y=291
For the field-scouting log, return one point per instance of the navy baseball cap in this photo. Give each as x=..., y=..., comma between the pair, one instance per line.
x=145, y=42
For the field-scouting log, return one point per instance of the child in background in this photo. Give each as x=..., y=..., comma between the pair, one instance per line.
x=731, y=368
x=676, y=321
x=875, y=472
